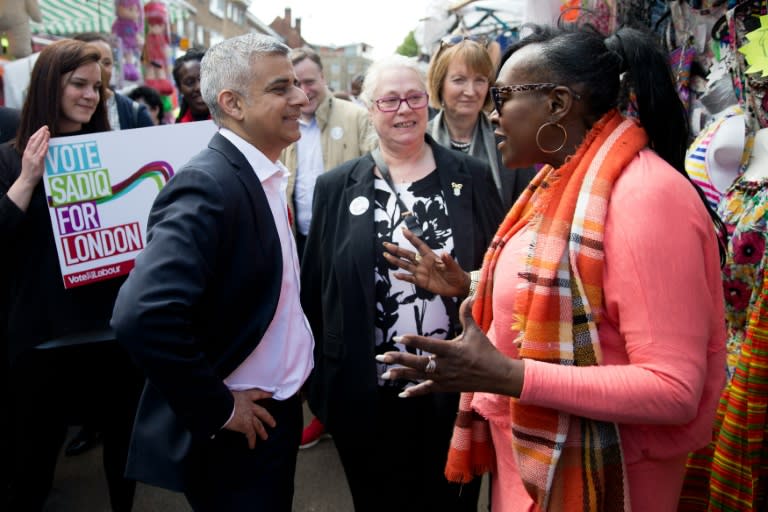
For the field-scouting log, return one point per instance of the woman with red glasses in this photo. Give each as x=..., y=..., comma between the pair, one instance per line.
x=593, y=353
x=392, y=450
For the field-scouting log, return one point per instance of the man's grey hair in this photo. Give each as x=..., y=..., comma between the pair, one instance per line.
x=227, y=65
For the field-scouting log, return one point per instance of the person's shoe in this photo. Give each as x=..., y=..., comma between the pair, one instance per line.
x=313, y=434
x=84, y=440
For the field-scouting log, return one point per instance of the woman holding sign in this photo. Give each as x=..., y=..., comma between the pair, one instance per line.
x=63, y=362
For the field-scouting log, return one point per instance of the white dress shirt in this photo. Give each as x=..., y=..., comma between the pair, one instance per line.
x=283, y=359
x=308, y=167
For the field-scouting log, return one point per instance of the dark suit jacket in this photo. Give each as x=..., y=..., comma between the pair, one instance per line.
x=197, y=303
x=337, y=274
x=132, y=114
x=10, y=118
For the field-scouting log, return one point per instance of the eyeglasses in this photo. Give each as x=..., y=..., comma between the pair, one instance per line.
x=502, y=94
x=392, y=103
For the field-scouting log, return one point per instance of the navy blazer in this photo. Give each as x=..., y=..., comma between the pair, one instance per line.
x=197, y=303
x=132, y=114
x=337, y=274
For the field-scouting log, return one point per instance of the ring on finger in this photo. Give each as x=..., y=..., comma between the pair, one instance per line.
x=431, y=364
x=417, y=258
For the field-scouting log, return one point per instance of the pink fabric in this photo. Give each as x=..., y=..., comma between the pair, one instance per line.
x=662, y=307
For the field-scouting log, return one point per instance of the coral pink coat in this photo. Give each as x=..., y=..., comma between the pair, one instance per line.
x=662, y=337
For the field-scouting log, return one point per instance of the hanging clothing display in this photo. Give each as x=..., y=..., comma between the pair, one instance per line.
x=731, y=473
x=744, y=209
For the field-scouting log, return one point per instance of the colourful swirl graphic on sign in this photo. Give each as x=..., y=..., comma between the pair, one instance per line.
x=159, y=171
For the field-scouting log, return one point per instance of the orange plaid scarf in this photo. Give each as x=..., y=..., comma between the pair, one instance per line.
x=557, y=314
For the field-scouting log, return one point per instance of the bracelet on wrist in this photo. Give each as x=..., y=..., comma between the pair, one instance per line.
x=474, y=280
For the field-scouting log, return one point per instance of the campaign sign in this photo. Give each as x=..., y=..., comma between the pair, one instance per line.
x=100, y=188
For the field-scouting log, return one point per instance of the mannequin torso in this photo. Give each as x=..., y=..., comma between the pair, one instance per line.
x=724, y=155
x=757, y=169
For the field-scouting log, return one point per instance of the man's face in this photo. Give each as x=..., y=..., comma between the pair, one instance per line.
x=356, y=87
x=312, y=82
x=272, y=105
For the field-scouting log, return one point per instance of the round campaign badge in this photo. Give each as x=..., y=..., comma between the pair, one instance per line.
x=337, y=132
x=359, y=205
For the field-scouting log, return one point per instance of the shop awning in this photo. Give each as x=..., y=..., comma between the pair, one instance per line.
x=66, y=17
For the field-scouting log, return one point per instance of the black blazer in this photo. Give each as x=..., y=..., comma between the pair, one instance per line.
x=337, y=273
x=197, y=303
x=132, y=114
x=10, y=118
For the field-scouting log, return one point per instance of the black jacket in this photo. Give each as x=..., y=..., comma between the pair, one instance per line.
x=132, y=114
x=337, y=273
x=197, y=303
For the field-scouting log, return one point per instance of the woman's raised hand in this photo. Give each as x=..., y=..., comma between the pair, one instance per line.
x=32, y=168
x=440, y=274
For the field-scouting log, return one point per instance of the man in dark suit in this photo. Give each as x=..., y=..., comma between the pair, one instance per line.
x=211, y=310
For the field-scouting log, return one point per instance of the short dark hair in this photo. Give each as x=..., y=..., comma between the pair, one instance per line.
x=193, y=54
x=43, y=103
x=151, y=97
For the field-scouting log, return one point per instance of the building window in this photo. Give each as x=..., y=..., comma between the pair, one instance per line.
x=235, y=14
x=351, y=68
x=218, y=7
x=214, y=37
x=335, y=68
x=200, y=38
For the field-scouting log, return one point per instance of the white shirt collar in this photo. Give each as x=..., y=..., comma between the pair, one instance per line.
x=262, y=166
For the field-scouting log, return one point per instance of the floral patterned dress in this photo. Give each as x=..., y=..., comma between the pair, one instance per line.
x=401, y=307
x=744, y=209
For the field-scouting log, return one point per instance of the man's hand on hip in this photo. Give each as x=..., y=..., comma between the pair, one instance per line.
x=250, y=418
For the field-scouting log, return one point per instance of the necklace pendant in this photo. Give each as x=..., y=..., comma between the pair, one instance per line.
x=457, y=188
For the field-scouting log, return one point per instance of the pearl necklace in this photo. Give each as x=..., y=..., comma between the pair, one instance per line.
x=461, y=146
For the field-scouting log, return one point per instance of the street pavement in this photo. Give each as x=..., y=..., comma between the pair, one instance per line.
x=80, y=485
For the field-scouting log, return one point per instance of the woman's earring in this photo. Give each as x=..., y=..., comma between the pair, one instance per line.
x=558, y=148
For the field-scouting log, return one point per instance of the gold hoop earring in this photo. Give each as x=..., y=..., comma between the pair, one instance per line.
x=558, y=148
